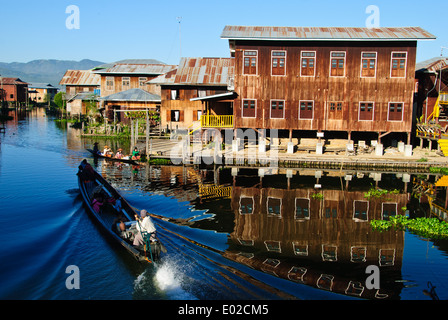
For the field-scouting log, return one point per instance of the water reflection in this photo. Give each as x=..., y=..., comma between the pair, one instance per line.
x=305, y=226
x=319, y=237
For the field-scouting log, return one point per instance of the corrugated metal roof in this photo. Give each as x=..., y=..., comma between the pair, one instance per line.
x=205, y=71
x=83, y=96
x=128, y=61
x=325, y=33
x=11, y=81
x=41, y=86
x=137, y=95
x=147, y=69
x=433, y=64
x=80, y=78
x=165, y=78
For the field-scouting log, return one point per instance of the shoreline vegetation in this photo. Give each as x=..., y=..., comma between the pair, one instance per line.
x=432, y=228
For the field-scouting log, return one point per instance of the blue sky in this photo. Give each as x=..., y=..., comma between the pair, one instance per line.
x=112, y=30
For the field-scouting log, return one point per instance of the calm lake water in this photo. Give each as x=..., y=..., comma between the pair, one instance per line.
x=230, y=234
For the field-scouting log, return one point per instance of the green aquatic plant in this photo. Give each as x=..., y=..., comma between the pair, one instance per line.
x=159, y=161
x=425, y=227
x=442, y=170
x=378, y=193
x=317, y=196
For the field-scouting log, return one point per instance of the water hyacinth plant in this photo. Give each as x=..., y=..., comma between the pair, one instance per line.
x=425, y=227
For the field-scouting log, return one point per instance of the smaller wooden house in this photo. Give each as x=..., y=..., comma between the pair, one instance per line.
x=41, y=92
x=13, y=91
x=198, y=94
x=77, y=81
x=129, y=74
x=428, y=88
x=130, y=100
x=78, y=104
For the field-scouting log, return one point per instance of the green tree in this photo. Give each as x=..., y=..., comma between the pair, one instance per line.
x=58, y=100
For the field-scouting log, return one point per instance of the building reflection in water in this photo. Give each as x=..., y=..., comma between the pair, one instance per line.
x=306, y=226
x=318, y=232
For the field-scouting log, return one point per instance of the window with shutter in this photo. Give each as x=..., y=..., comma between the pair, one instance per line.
x=307, y=63
x=277, y=109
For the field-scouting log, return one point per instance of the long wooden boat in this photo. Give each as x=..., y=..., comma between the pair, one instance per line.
x=91, y=185
x=126, y=160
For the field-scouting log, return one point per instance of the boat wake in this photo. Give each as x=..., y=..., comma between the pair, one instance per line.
x=167, y=280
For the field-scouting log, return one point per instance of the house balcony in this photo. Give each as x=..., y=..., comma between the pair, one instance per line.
x=216, y=121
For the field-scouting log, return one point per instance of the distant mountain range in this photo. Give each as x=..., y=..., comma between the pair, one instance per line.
x=45, y=70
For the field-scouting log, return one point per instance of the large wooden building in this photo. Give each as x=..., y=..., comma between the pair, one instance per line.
x=352, y=82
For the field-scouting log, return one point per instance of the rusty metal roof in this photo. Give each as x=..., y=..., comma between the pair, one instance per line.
x=205, y=71
x=166, y=78
x=432, y=65
x=325, y=33
x=80, y=78
x=137, y=67
x=11, y=81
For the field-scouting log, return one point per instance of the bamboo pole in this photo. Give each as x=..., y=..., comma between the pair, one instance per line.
x=147, y=134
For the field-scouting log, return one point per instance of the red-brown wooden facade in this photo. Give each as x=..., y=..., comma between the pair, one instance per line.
x=352, y=85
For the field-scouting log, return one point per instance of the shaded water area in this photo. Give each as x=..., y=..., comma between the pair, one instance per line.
x=230, y=233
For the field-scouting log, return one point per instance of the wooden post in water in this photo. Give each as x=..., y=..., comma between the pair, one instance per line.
x=147, y=134
x=132, y=136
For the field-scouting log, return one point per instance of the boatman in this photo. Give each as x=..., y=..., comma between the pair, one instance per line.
x=144, y=224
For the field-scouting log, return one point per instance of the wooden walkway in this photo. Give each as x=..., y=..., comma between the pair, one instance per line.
x=173, y=150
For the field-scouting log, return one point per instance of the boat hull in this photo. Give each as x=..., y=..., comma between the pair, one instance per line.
x=109, y=220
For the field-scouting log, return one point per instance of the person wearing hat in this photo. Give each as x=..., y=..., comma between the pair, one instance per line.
x=95, y=148
x=144, y=224
x=119, y=154
x=106, y=151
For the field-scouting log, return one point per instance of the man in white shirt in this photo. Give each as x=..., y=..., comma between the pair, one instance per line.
x=143, y=225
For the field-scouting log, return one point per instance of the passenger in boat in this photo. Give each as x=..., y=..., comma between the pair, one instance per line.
x=144, y=224
x=98, y=203
x=135, y=154
x=87, y=172
x=107, y=151
x=95, y=148
x=117, y=204
x=119, y=154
